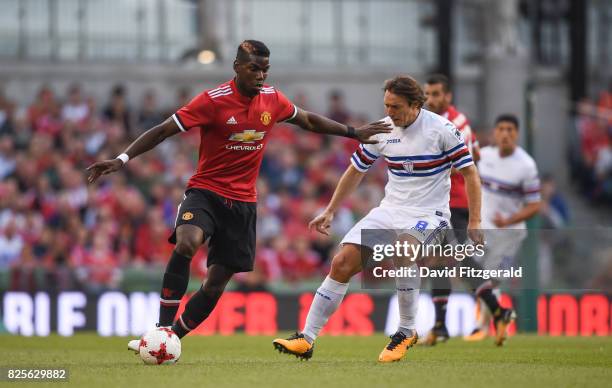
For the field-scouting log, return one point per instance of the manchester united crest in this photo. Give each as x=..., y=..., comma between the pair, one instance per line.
x=265, y=118
x=408, y=165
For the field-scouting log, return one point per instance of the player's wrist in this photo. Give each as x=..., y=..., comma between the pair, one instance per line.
x=351, y=132
x=507, y=221
x=329, y=210
x=124, y=158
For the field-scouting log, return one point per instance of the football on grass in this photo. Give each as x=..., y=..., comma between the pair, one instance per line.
x=160, y=346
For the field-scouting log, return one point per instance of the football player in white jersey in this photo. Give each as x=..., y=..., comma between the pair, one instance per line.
x=419, y=151
x=511, y=195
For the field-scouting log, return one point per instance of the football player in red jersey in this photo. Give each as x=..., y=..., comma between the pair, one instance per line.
x=439, y=100
x=220, y=201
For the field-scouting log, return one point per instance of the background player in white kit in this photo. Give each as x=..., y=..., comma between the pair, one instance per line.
x=511, y=195
x=419, y=151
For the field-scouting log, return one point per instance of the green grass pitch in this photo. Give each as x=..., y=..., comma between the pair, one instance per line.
x=243, y=361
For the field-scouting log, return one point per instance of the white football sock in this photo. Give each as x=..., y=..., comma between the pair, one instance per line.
x=326, y=301
x=408, y=301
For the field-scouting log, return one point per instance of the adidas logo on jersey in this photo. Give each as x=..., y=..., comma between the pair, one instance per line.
x=232, y=121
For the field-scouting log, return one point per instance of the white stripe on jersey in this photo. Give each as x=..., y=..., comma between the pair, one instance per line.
x=170, y=301
x=219, y=89
x=178, y=122
x=178, y=210
x=268, y=90
x=295, y=111
x=222, y=94
x=463, y=162
x=219, y=92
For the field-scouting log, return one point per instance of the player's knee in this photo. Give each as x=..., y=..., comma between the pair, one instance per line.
x=344, y=267
x=187, y=245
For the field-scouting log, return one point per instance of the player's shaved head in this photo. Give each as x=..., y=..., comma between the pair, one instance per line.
x=251, y=47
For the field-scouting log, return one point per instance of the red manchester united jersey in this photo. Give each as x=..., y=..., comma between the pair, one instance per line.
x=458, y=195
x=234, y=130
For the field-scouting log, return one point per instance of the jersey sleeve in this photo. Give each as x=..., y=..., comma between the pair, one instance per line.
x=287, y=110
x=531, y=184
x=454, y=147
x=365, y=156
x=197, y=113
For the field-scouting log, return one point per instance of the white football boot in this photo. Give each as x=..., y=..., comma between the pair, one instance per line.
x=134, y=345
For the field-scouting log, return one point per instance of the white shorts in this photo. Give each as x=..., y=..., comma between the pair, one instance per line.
x=384, y=225
x=501, y=247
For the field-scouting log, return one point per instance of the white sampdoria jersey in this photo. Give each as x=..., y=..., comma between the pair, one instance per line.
x=508, y=183
x=419, y=159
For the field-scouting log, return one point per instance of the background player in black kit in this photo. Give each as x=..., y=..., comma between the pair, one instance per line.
x=205, y=213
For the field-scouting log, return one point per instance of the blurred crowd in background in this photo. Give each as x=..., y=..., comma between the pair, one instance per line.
x=592, y=153
x=57, y=232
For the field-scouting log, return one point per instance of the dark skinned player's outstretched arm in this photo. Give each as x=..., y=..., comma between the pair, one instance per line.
x=319, y=124
x=306, y=120
x=142, y=144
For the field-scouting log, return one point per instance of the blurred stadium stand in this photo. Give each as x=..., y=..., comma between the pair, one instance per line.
x=80, y=79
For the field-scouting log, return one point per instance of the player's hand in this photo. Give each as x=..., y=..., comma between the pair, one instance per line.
x=98, y=169
x=364, y=133
x=475, y=233
x=322, y=222
x=499, y=221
